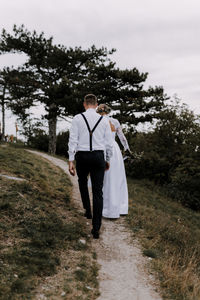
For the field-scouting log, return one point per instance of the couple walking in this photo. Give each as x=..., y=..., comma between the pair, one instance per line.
x=92, y=144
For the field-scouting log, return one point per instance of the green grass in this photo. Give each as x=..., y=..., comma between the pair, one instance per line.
x=170, y=235
x=38, y=222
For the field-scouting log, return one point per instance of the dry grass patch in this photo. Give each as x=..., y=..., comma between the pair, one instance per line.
x=170, y=235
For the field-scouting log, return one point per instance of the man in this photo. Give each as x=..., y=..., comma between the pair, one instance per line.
x=90, y=136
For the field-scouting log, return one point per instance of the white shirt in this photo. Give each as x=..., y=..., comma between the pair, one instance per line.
x=79, y=138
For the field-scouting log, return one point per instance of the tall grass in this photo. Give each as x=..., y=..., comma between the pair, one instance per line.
x=170, y=234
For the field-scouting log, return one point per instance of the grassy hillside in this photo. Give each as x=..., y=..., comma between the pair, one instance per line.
x=40, y=232
x=170, y=235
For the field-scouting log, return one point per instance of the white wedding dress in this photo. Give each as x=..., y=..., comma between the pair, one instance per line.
x=115, y=191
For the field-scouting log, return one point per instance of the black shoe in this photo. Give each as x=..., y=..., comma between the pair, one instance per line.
x=88, y=215
x=95, y=234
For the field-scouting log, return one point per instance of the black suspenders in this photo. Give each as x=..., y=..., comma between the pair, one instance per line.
x=91, y=131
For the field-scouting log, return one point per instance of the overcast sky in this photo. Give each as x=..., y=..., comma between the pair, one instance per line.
x=161, y=37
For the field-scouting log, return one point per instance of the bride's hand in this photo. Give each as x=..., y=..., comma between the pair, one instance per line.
x=107, y=166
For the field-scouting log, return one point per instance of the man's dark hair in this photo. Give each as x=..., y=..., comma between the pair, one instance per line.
x=90, y=99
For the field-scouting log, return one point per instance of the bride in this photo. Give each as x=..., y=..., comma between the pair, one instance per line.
x=115, y=191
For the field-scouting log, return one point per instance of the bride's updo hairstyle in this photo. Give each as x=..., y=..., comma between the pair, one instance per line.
x=103, y=109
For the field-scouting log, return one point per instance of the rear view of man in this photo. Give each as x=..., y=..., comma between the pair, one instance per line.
x=90, y=135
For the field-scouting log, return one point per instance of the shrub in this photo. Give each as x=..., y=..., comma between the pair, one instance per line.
x=170, y=155
x=39, y=141
x=185, y=182
x=62, y=143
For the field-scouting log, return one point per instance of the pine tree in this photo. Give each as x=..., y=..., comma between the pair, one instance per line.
x=124, y=91
x=59, y=77
x=51, y=75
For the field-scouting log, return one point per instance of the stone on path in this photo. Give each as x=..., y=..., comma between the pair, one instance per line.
x=12, y=177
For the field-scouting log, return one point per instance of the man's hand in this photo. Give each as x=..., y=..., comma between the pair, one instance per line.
x=72, y=169
x=107, y=166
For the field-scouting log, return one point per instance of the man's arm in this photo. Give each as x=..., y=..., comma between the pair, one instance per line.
x=72, y=145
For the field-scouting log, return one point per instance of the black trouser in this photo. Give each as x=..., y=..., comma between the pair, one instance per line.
x=92, y=163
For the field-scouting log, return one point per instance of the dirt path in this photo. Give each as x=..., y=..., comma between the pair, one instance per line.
x=122, y=273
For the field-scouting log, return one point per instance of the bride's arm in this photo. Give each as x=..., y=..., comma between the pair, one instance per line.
x=122, y=137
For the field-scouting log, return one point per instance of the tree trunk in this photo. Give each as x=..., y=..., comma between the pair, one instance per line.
x=52, y=129
x=3, y=113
